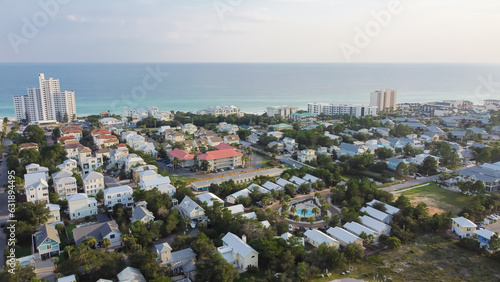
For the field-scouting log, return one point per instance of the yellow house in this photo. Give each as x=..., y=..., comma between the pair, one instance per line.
x=238, y=252
x=463, y=227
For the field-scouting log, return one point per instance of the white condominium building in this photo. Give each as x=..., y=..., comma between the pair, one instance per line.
x=118, y=195
x=384, y=99
x=342, y=109
x=46, y=103
x=283, y=111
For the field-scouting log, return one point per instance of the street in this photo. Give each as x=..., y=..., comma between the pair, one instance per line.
x=410, y=183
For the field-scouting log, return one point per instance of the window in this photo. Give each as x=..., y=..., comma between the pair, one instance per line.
x=112, y=236
x=49, y=247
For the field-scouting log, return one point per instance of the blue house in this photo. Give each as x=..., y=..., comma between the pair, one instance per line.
x=484, y=236
x=47, y=241
x=392, y=163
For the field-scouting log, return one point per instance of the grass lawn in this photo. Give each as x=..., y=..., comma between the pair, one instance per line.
x=23, y=250
x=244, y=277
x=437, y=199
x=430, y=258
x=264, y=160
x=182, y=178
x=69, y=230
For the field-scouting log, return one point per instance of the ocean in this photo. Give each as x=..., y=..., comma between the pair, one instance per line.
x=250, y=86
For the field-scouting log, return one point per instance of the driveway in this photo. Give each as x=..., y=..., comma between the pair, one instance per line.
x=410, y=183
x=45, y=269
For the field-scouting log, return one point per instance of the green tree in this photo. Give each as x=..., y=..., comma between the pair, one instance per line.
x=429, y=166
x=494, y=243
x=393, y=243
x=34, y=134
x=215, y=269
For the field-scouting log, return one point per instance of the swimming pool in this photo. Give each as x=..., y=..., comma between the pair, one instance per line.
x=308, y=213
x=26, y=262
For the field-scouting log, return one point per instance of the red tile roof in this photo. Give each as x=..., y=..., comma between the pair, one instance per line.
x=180, y=154
x=122, y=145
x=66, y=137
x=223, y=146
x=100, y=131
x=219, y=154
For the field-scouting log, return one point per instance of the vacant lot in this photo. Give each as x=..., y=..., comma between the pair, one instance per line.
x=438, y=200
x=429, y=258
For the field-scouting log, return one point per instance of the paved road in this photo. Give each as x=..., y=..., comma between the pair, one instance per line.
x=4, y=214
x=410, y=183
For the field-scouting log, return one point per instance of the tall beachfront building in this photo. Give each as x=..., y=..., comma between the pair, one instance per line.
x=46, y=103
x=283, y=111
x=342, y=109
x=384, y=100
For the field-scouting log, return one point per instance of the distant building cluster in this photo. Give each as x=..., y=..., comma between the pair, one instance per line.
x=221, y=111
x=342, y=109
x=46, y=104
x=385, y=100
x=282, y=111
x=136, y=115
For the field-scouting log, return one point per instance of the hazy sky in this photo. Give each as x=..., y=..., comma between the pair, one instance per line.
x=250, y=31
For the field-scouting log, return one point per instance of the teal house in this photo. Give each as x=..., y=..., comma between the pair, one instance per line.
x=46, y=241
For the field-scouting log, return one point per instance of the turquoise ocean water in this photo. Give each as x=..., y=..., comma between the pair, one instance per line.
x=251, y=87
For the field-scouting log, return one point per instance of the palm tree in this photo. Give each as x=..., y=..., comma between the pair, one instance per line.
x=69, y=249
x=176, y=162
x=326, y=218
x=59, y=228
x=315, y=210
x=296, y=218
x=325, y=207
x=293, y=209
x=284, y=207
x=106, y=243
x=317, y=195
x=303, y=212
x=310, y=220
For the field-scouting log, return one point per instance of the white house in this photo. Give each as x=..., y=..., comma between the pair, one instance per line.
x=316, y=238
x=93, y=182
x=99, y=231
x=131, y=274
x=118, y=195
x=375, y=225
x=68, y=165
x=209, y=198
x=142, y=214
x=307, y=155
x=182, y=261
x=189, y=128
x=463, y=227
x=37, y=191
x=150, y=180
x=80, y=206
x=388, y=208
x=235, y=250
x=190, y=209
x=34, y=168
x=65, y=186
x=378, y=215
x=358, y=229
x=236, y=209
x=231, y=199
x=344, y=237
x=271, y=186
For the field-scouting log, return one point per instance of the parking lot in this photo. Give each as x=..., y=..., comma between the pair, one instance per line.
x=495, y=227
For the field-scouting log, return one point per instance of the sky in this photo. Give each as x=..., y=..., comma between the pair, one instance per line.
x=423, y=31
